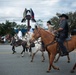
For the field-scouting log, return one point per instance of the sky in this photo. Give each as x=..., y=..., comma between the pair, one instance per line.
x=12, y=10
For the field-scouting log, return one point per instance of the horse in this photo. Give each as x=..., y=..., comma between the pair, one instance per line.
x=15, y=42
x=39, y=47
x=8, y=37
x=51, y=44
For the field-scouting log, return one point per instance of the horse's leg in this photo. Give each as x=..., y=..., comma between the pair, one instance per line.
x=23, y=52
x=68, y=59
x=26, y=49
x=74, y=67
x=51, y=59
x=43, y=58
x=30, y=50
x=57, y=58
x=13, y=49
x=34, y=55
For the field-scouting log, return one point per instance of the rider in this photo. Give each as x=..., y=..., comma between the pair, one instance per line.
x=50, y=26
x=30, y=29
x=50, y=29
x=63, y=33
x=19, y=34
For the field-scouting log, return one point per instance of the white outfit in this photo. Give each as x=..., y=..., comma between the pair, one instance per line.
x=19, y=35
x=50, y=28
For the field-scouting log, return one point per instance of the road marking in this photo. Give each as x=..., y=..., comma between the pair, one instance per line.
x=5, y=52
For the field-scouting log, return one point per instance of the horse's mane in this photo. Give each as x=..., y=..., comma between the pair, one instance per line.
x=49, y=33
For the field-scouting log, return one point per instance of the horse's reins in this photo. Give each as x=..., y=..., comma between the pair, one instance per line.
x=54, y=41
x=51, y=43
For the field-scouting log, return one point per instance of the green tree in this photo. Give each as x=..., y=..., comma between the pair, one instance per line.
x=39, y=23
x=71, y=20
x=7, y=27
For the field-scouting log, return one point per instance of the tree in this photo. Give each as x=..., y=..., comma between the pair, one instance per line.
x=7, y=27
x=55, y=22
x=39, y=23
x=71, y=20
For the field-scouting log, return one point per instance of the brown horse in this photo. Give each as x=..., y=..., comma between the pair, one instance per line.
x=48, y=38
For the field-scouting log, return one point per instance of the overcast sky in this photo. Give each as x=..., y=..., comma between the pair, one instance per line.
x=12, y=10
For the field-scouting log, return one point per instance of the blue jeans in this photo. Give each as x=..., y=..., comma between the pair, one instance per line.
x=60, y=41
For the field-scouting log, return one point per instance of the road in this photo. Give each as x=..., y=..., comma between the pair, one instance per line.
x=14, y=64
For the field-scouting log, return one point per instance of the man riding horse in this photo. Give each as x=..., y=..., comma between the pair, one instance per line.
x=62, y=33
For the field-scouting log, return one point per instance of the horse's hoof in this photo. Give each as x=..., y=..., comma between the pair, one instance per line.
x=68, y=61
x=55, y=61
x=72, y=71
x=14, y=52
x=42, y=60
x=58, y=69
x=22, y=56
x=31, y=60
x=48, y=71
x=21, y=52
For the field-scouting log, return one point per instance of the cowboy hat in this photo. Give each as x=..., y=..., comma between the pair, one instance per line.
x=64, y=15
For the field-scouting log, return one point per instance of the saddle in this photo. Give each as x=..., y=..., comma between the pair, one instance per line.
x=67, y=39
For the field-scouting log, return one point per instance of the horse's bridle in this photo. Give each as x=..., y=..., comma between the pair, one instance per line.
x=38, y=33
x=54, y=41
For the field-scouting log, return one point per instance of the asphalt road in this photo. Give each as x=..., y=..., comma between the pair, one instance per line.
x=14, y=64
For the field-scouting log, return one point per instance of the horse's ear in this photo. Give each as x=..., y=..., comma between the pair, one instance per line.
x=36, y=27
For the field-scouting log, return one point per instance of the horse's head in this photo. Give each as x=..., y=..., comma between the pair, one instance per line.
x=8, y=37
x=36, y=34
x=46, y=36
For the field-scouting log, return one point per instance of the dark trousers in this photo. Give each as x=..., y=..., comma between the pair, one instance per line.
x=60, y=41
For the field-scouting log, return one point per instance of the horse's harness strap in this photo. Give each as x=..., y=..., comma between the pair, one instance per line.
x=51, y=43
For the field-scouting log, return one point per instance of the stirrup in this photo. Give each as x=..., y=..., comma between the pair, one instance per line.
x=64, y=54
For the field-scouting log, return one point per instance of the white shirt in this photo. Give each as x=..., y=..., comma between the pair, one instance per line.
x=19, y=35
